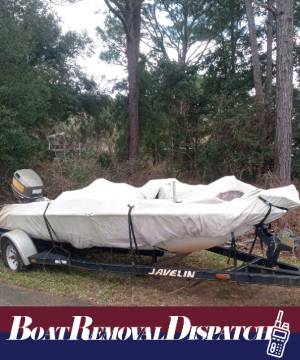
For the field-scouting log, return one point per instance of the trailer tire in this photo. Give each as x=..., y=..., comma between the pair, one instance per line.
x=11, y=257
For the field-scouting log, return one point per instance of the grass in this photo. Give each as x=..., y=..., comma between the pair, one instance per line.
x=113, y=289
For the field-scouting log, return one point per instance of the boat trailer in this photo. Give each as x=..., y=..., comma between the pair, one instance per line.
x=254, y=269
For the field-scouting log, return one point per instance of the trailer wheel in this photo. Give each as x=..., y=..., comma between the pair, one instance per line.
x=11, y=257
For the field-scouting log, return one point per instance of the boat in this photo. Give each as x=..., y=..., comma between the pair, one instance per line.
x=164, y=214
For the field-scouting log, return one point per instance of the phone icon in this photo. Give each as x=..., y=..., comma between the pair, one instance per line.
x=279, y=338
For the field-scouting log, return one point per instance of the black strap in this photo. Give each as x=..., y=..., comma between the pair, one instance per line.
x=233, y=249
x=49, y=227
x=253, y=244
x=269, y=204
x=50, y=230
x=132, y=236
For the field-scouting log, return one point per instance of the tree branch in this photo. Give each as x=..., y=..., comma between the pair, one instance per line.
x=117, y=14
x=267, y=7
x=159, y=28
x=138, y=4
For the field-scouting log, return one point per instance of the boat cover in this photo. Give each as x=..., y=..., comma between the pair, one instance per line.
x=204, y=215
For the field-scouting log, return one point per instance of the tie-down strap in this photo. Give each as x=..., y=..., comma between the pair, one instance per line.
x=270, y=208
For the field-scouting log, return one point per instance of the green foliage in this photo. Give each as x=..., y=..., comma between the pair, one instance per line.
x=201, y=125
x=204, y=134
x=81, y=174
x=40, y=83
x=197, y=114
x=178, y=25
x=14, y=142
x=114, y=41
x=105, y=161
x=234, y=145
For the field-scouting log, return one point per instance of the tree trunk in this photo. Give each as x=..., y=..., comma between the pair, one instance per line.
x=255, y=58
x=182, y=56
x=133, y=22
x=154, y=154
x=284, y=90
x=233, y=46
x=269, y=54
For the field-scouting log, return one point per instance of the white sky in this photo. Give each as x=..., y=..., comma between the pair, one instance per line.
x=81, y=16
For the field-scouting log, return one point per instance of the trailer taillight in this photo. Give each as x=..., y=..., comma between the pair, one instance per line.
x=222, y=276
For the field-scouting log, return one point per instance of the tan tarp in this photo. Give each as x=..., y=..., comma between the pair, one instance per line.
x=204, y=216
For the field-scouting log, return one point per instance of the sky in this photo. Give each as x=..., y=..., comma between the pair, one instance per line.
x=81, y=16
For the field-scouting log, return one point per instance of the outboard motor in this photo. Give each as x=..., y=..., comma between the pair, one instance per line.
x=27, y=186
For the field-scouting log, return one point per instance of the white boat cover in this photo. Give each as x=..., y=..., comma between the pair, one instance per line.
x=204, y=216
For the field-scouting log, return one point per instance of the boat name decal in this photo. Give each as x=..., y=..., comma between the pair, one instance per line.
x=176, y=273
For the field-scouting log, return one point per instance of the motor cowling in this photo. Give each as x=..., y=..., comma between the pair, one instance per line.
x=27, y=186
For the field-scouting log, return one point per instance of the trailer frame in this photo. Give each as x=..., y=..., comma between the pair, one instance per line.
x=254, y=270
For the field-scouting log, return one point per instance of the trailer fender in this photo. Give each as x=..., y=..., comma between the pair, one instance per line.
x=22, y=242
